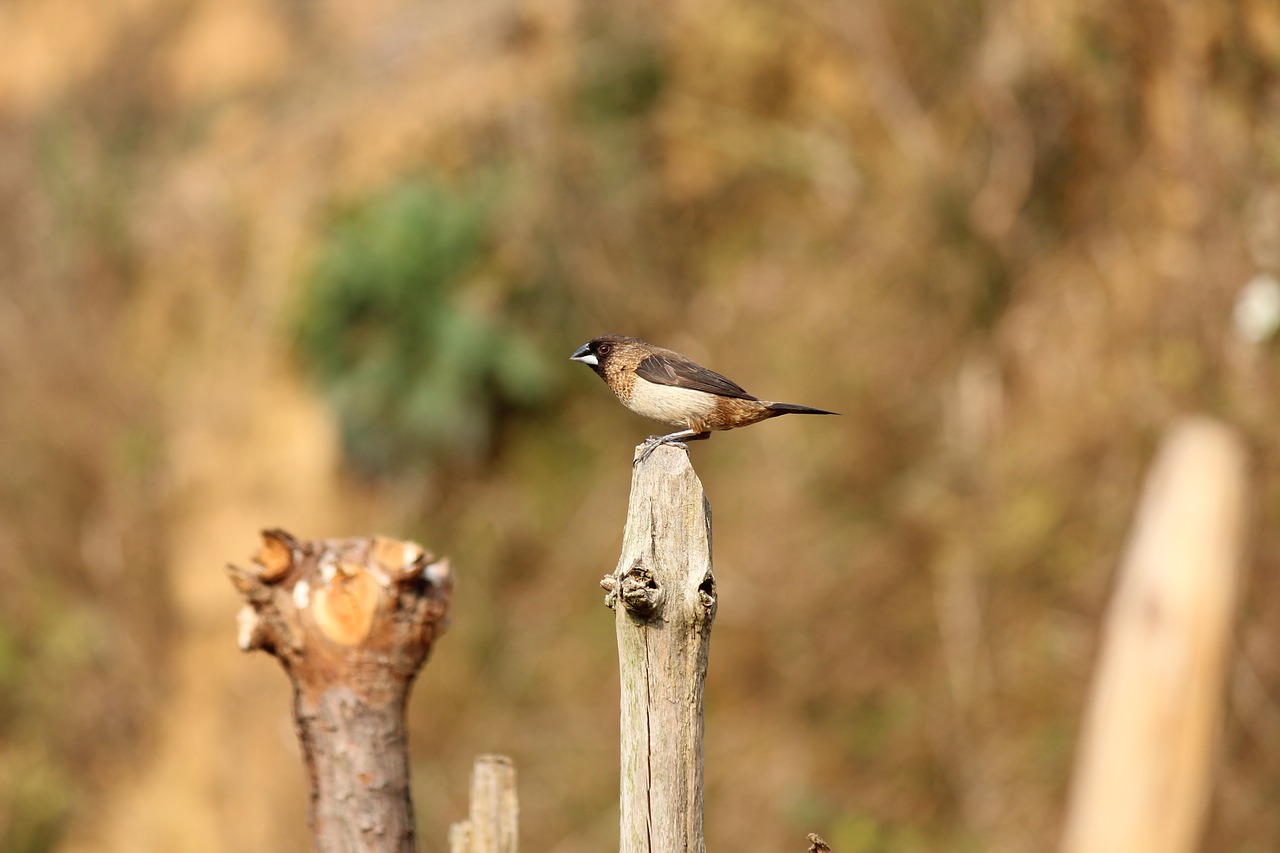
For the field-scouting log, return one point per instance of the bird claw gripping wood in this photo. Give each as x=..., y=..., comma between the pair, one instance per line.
x=652, y=443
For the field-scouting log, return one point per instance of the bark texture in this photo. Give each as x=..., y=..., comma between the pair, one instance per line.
x=351, y=621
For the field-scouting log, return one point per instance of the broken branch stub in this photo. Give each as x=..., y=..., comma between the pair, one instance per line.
x=816, y=844
x=351, y=621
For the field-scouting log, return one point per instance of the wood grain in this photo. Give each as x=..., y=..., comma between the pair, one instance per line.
x=664, y=597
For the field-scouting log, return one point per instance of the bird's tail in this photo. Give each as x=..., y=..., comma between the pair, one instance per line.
x=793, y=409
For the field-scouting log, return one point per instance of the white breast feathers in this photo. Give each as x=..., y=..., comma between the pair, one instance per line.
x=668, y=404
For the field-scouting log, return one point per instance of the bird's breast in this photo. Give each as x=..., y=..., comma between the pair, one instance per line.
x=668, y=404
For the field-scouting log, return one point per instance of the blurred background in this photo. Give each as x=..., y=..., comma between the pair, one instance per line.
x=320, y=265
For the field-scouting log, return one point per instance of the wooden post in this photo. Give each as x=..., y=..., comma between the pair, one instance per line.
x=493, y=823
x=351, y=621
x=1142, y=774
x=664, y=597
x=817, y=845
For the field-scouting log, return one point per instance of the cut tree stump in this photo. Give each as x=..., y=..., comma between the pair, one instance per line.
x=351, y=621
x=664, y=596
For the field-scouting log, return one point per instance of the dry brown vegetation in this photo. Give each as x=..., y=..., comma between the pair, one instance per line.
x=1004, y=237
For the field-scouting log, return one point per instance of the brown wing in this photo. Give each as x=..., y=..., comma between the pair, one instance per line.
x=671, y=368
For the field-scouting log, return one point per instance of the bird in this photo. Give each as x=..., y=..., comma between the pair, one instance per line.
x=670, y=388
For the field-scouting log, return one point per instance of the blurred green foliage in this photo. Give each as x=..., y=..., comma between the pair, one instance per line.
x=406, y=333
x=37, y=800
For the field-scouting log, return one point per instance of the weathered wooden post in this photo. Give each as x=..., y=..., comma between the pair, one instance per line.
x=351, y=621
x=1142, y=777
x=492, y=825
x=817, y=845
x=664, y=597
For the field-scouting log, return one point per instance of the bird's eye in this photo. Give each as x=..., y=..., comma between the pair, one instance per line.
x=603, y=349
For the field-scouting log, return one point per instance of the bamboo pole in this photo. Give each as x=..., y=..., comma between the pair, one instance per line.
x=1142, y=775
x=664, y=597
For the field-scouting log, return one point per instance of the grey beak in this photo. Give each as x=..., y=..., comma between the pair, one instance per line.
x=585, y=355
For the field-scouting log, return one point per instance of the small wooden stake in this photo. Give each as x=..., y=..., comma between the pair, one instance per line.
x=1142, y=773
x=817, y=845
x=664, y=596
x=351, y=621
x=493, y=824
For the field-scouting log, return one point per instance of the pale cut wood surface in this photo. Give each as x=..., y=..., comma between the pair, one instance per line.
x=1143, y=774
x=663, y=594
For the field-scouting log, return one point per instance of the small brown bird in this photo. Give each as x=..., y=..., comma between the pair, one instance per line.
x=667, y=387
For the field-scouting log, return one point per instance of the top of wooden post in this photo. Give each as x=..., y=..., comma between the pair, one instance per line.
x=664, y=594
x=666, y=545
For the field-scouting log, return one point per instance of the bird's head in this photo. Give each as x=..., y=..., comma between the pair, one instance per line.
x=596, y=352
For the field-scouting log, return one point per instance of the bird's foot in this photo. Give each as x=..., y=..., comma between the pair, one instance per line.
x=653, y=442
x=675, y=439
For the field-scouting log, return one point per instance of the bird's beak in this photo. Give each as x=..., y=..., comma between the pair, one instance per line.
x=585, y=355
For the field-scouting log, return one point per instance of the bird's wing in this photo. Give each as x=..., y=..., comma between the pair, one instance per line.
x=671, y=368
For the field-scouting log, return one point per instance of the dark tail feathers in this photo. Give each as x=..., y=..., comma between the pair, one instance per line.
x=793, y=409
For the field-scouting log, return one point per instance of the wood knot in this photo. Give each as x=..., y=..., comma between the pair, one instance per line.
x=639, y=592
x=278, y=554
x=707, y=593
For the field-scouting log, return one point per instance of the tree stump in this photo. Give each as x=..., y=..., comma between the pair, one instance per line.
x=664, y=596
x=351, y=621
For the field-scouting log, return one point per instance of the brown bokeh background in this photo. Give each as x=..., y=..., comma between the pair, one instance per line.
x=1005, y=238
